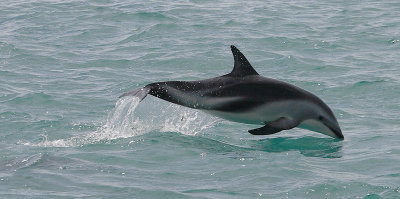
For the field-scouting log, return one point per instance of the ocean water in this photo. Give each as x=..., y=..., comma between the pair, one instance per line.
x=65, y=134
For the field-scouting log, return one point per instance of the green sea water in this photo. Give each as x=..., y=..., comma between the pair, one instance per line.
x=65, y=134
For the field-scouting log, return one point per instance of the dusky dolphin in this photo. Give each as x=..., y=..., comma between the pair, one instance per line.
x=246, y=97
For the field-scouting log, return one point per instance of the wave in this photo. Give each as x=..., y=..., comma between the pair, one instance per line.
x=19, y=163
x=32, y=99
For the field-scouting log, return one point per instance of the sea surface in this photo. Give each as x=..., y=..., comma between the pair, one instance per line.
x=65, y=134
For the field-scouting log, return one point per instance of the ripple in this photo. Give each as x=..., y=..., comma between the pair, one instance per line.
x=33, y=99
x=7, y=50
x=367, y=83
x=6, y=168
x=308, y=146
x=14, y=116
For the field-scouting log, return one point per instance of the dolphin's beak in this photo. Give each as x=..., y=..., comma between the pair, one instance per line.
x=338, y=133
x=336, y=130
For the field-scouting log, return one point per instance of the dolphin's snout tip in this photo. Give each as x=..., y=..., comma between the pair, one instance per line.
x=339, y=134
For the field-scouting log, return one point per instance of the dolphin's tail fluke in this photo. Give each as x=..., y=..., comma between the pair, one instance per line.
x=140, y=93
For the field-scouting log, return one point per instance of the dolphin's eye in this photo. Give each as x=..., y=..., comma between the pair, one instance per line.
x=320, y=118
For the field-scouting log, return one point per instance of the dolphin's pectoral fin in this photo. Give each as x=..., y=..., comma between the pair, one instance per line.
x=265, y=130
x=283, y=123
x=276, y=126
x=140, y=93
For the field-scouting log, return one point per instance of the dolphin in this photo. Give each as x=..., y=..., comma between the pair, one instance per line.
x=246, y=97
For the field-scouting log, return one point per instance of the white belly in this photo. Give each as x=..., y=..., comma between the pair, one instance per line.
x=291, y=109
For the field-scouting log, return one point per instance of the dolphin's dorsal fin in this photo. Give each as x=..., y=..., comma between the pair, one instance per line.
x=242, y=67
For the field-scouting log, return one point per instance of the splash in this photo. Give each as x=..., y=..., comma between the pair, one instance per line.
x=127, y=120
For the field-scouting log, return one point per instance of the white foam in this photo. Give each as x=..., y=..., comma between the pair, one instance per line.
x=127, y=120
